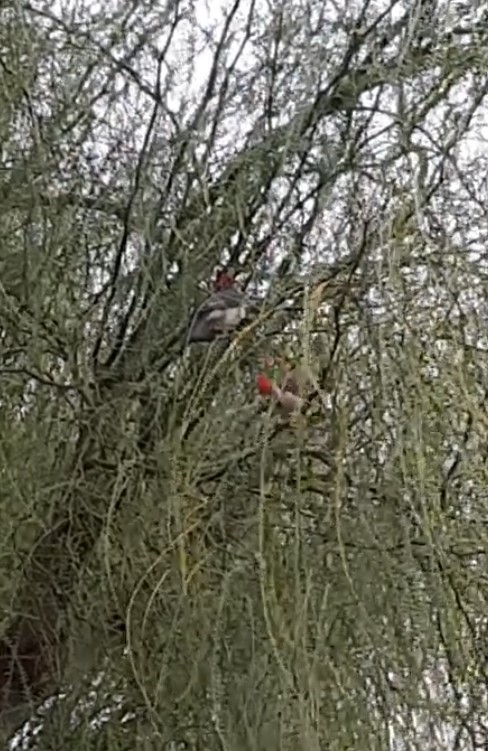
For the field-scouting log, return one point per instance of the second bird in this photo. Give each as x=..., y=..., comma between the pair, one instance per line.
x=220, y=313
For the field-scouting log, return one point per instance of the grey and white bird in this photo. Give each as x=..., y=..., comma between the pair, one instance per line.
x=221, y=313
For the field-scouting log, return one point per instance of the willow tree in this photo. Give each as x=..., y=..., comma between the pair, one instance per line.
x=181, y=566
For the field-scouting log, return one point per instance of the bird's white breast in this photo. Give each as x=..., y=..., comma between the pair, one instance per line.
x=233, y=316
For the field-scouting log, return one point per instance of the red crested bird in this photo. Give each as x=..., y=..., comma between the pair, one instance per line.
x=288, y=399
x=220, y=313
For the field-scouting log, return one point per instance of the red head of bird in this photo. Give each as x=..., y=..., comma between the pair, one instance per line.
x=225, y=279
x=264, y=385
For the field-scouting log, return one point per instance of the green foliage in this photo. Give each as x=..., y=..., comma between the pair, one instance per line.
x=181, y=566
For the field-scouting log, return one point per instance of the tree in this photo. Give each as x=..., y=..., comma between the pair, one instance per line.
x=180, y=565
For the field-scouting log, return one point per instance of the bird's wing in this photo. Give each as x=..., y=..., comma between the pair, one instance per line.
x=227, y=298
x=293, y=382
x=214, y=309
x=202, y=328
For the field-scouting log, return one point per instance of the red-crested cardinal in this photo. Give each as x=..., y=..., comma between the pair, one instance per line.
x=287, y=397
x=220, y=313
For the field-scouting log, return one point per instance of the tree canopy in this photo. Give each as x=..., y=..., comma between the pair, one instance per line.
x=182, y=565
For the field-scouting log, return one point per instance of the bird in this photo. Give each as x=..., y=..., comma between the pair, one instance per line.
x=221, y=313
x=287, y=398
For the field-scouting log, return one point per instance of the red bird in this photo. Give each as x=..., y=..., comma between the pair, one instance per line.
x=220, y=313
x=288, y=401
